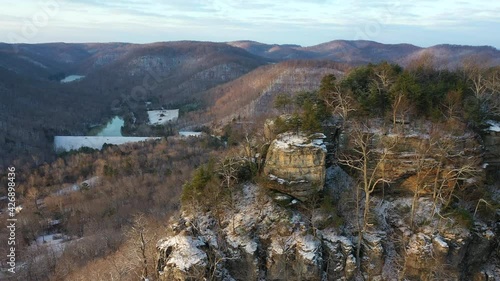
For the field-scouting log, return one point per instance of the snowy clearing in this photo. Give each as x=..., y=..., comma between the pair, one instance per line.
x=160, y=117
x=190, y=134
x=51, y=239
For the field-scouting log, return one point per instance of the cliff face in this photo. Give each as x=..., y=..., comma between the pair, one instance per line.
x=263, y=240
x=420, y=160
x=297, y=164
x=259, y=241
x=406, y=237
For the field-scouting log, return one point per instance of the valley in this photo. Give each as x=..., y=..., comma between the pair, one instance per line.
x=348, y=160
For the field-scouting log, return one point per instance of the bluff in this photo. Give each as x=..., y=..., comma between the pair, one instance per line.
x=407, y=237
x=263, y=240
x=296, y=163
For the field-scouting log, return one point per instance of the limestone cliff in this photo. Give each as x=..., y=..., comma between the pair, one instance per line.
x=263, y=240
x=270, y=236
x=297, y=164
x=423, y=157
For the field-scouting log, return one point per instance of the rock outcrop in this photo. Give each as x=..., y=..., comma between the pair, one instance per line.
x=180, y=257
x=405, y=237
x=419, y=158
x=262, y=240
x=296, y=163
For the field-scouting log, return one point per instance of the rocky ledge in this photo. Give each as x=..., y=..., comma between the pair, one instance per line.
x=262, y=240
x=296, y=163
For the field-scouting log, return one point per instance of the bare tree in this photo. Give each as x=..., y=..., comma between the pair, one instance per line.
x=426, y=61
x=142, y=238
x=493, y=88
x=367, y=157
x=484, y=83
x=452, y=170
x=400, y=108
x=228, y=171
x=340, y=102
x=385, y=75
x=475, y=75
x=423, y=168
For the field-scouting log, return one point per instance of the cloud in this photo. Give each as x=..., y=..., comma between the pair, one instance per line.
x=296, y=20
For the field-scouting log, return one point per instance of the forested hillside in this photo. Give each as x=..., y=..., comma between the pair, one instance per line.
x=98, y=202
x=120, y=79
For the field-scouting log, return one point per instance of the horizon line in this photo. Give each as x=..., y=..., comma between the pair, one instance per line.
x=243, y=40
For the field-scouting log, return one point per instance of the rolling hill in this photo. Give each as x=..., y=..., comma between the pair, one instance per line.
x=231, y=79
x=120, y=78
x=252, y=95
x=362, y=52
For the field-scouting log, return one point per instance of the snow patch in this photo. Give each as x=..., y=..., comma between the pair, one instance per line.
x=249, y=213
x=190, y=134
x=440, y=242
x=160, y=117
x=72, y=78
x=283, y=181
x=308, y=247
x=185, y=252
x=331, y=236
x=51, y=239
x=245, y=242
x=494, y=126
x=287, y=141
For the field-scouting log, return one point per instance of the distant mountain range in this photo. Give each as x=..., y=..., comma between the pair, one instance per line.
x=362, y=52
x=43, y=60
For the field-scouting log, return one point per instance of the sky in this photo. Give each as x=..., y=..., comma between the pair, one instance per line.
x=423, y=23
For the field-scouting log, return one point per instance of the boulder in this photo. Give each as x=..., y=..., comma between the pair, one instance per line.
x=296, y=163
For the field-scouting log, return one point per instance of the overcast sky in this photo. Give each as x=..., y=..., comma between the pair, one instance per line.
x=423, y=23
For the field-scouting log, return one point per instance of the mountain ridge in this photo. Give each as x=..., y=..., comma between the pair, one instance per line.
x=47, y=58
x=365, y=51
x=122, y=77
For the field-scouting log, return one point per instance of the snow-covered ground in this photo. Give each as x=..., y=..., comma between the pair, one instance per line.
x=291, y=140
x=67, y=143
x=190, y=134
x=187, y=252
x=494, y=126
x=51, y=239
x=160, y=117
x=89, y=183
x=72, y=78
x=69, y=189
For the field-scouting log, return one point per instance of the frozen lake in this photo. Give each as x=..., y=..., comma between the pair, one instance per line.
x=72, y=78
x=160, y=117
x=67, y=143
x=113, y=128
